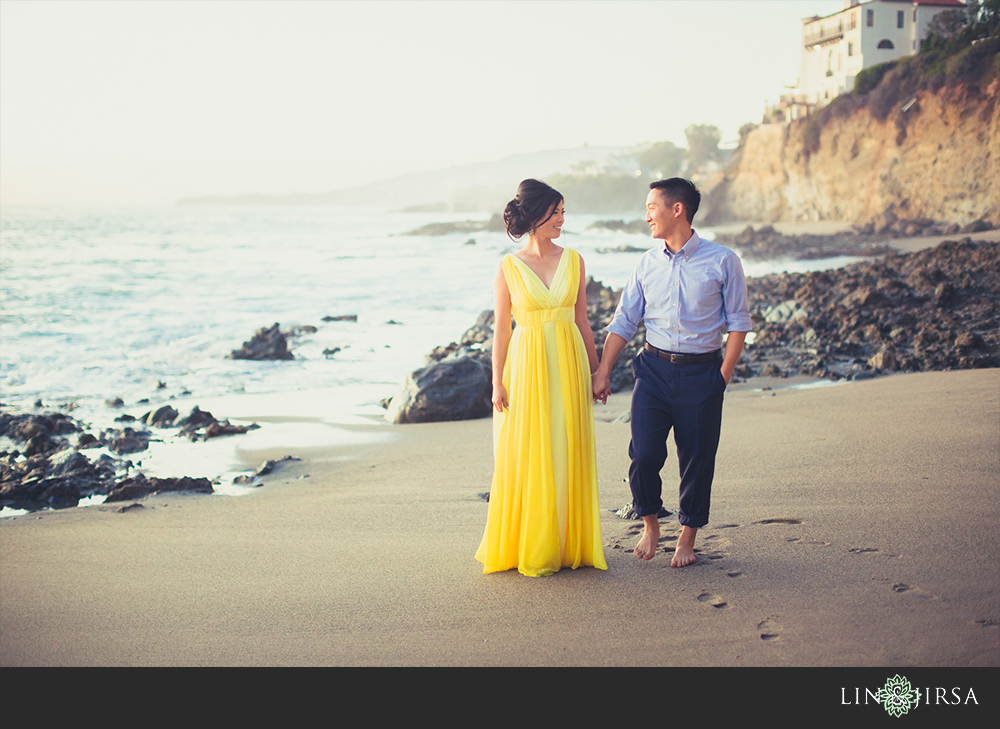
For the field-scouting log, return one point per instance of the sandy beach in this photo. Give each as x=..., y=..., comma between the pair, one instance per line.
x=852, y=525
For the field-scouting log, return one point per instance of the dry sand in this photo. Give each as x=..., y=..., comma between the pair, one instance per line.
x=852, y=525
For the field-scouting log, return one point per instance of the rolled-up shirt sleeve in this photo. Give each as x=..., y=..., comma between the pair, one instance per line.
x=631, y=309
x=734, y=297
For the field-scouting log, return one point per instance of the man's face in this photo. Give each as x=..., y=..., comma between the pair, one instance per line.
x=663, y=219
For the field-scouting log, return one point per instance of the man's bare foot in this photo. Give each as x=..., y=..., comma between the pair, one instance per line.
x=684, y=553
x=646, y=548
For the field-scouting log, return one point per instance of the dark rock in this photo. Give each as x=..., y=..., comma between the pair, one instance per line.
x=268, y=343
x=162, y=417
x=125, y=440
x=453, y=389
x=24, y=427
x=58, y=481
x=494, y=224
x=224, y=427
x=115, y=403
x=269, y=466
x=140, y=486
x=197, y=418
x=342, y=317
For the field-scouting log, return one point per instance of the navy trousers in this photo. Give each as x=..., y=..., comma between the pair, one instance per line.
x=688, y=399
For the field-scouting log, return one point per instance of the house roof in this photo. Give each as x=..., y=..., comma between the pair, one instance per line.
x=945, y=3
x=953, y=3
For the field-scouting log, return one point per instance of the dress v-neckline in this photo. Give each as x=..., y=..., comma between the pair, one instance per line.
x=555, y=274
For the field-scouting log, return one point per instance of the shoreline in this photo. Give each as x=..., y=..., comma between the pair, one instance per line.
x=831, y=533
x=303, y=423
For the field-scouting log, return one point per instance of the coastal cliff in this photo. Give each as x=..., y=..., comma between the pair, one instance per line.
x=934, y=156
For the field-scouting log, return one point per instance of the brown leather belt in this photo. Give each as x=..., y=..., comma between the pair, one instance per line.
x=675, y=358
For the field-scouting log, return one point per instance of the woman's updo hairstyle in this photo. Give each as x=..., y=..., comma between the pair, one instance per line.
x=530, y=207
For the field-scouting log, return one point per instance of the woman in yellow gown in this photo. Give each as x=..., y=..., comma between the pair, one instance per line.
x=543, y=508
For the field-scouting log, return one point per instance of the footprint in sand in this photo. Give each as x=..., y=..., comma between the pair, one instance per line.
x=713, y=600
x=769, y=629
x=734, y=573
x=813, y=542
x=870, y=550
x=987, y=623
x=781, y=520
x=902, y=587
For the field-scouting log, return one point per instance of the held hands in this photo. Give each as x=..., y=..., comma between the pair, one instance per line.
x=601, y=385
x=499, y=398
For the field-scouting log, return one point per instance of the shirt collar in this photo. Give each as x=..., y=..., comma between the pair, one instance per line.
x=688, y=249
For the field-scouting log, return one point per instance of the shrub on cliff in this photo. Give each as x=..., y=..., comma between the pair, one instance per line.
x=868, y=78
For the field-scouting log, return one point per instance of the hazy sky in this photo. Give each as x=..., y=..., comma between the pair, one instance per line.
x=145, y=102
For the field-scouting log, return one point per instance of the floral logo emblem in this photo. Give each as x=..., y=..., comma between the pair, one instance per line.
x=897, y=696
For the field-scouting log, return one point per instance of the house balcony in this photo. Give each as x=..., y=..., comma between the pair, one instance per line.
x=823, y=32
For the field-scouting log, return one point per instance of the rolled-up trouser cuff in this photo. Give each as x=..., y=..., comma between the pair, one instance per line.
x=647, y=510
x=695, y=522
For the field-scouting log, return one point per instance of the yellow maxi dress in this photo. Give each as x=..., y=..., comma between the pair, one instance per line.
x=543, y=509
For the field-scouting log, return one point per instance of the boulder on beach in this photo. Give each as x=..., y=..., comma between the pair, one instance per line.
x=141, y=485
x=125, y=440
x=458, y=388
x=267, y=343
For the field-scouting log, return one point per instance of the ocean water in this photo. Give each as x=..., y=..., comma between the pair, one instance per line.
x=144, y=304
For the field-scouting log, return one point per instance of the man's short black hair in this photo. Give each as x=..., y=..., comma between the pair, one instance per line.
x=677, y=189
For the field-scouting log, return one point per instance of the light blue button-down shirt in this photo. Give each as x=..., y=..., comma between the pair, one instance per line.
x=687, y=299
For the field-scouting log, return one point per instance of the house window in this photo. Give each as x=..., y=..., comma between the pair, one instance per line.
x=850, y=49
x=854, y=21
x=886, y=43
x=870, y=18
x=914, y=15
x=900, y=16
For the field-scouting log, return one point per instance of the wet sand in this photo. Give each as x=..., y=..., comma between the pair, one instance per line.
x=852, y=525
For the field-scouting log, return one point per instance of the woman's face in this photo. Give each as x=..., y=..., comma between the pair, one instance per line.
x=552, y=223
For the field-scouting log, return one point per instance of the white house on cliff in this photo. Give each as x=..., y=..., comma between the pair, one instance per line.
x=863, y=34
x=836, y=47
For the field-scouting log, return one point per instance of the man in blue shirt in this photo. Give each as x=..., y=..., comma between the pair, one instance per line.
x=689, y=291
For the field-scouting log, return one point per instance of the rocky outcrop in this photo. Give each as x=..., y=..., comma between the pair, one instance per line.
x=494, y=224
x=59, y=480
x=267, y=343
x=48, y=472
x=766, y=244
x=934, y=159
x=936, y=309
